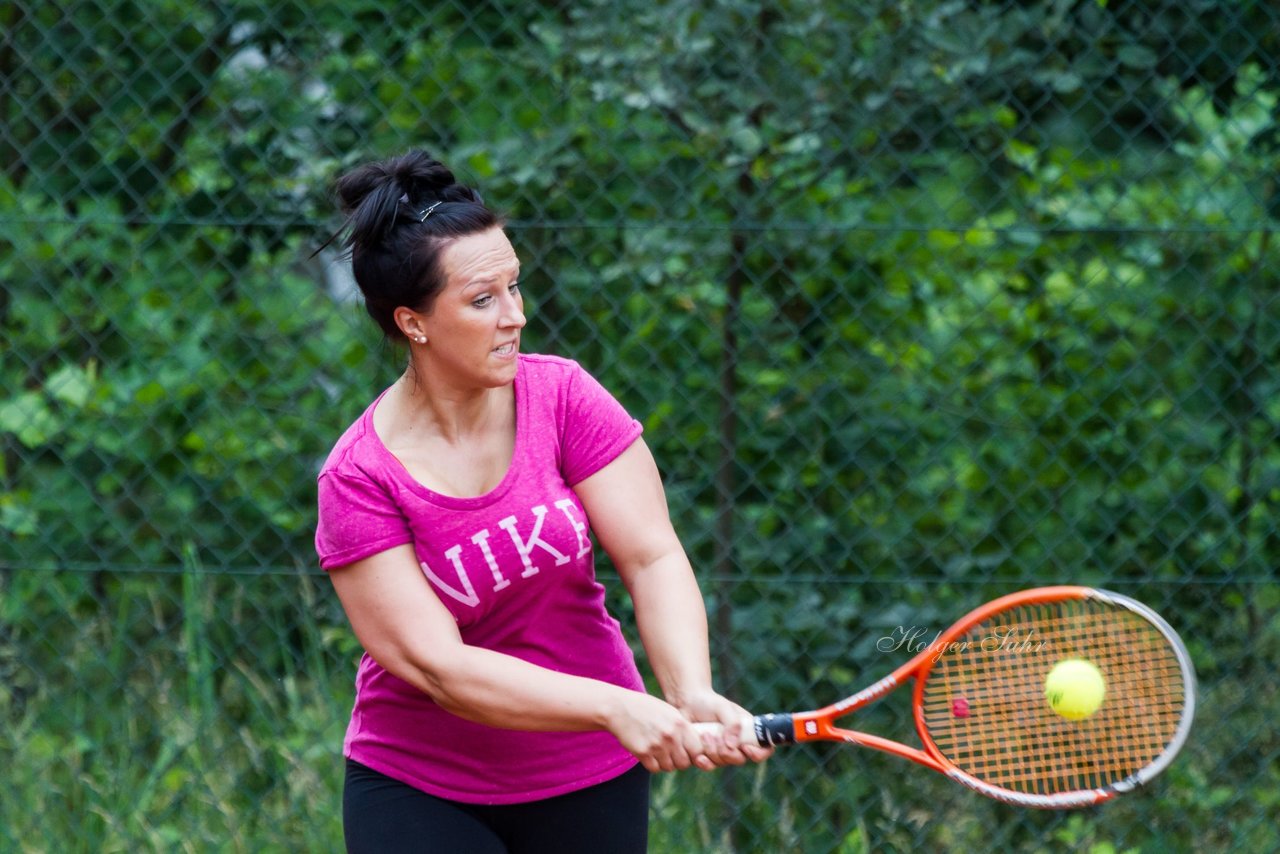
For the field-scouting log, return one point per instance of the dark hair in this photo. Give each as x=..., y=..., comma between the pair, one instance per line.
x=401, y=214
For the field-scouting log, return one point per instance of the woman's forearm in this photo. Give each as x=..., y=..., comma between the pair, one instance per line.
x=503, y=691
x=672, y=621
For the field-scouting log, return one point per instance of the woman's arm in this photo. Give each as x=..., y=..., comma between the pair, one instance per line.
x=405, y=627
x=627, y=508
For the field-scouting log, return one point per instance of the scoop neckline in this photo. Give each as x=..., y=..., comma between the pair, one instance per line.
x=404, y=476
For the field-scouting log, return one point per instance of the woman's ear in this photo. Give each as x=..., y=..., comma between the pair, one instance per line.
x=410, y=324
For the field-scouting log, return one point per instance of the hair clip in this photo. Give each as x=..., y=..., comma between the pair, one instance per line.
x=428, y=211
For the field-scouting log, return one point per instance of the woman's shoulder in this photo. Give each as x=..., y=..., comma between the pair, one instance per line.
x=545, y=364
x=357, y=447
x=547, y=374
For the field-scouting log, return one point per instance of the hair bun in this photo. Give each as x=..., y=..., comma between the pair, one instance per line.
x=374, y=195
x=422, y=178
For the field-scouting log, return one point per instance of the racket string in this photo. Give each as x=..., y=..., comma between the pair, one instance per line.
x=1011, y=737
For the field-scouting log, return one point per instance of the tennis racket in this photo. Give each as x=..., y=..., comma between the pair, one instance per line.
x=982, y=715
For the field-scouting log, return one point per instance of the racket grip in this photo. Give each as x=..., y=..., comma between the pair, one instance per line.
x=774, y=728
x=765, y=730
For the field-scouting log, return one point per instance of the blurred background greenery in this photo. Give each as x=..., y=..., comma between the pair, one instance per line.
x=919, y=302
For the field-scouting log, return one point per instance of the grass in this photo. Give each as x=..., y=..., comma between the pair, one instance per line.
x=194, y=712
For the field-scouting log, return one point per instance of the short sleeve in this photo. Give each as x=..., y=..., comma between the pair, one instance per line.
x=596, y=428
x=357, y=518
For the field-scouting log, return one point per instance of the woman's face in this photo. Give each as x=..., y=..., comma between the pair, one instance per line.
x=473, y=329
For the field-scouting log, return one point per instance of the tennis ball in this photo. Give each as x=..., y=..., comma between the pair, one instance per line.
x=1074, y=689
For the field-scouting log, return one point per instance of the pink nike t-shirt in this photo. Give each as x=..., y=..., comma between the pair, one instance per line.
x=516, y=569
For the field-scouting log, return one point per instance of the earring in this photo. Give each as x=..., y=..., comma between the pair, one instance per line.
x=421, y=339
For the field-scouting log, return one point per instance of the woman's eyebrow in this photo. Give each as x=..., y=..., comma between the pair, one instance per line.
x=486, y=278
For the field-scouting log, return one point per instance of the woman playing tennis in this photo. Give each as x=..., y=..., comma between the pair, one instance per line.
x=498, y=707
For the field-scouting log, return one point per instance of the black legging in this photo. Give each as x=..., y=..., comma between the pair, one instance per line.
x=384, y=816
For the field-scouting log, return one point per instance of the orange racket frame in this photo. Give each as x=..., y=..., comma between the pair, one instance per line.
x=819, y=725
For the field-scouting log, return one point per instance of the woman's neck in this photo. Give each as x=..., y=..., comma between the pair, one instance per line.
x=420, y=408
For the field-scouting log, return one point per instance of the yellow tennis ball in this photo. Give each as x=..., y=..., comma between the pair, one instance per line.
x=1075, y=689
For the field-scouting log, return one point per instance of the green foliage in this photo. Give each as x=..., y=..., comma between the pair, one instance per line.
x=917, y=302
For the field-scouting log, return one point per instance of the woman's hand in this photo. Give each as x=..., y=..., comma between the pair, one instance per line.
x=658, y=734
x=725, y=747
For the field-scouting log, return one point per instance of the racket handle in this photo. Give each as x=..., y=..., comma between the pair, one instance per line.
x=774, y=728
x=764, y=730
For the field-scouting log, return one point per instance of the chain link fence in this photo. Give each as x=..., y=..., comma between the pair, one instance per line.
x=919, y=302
